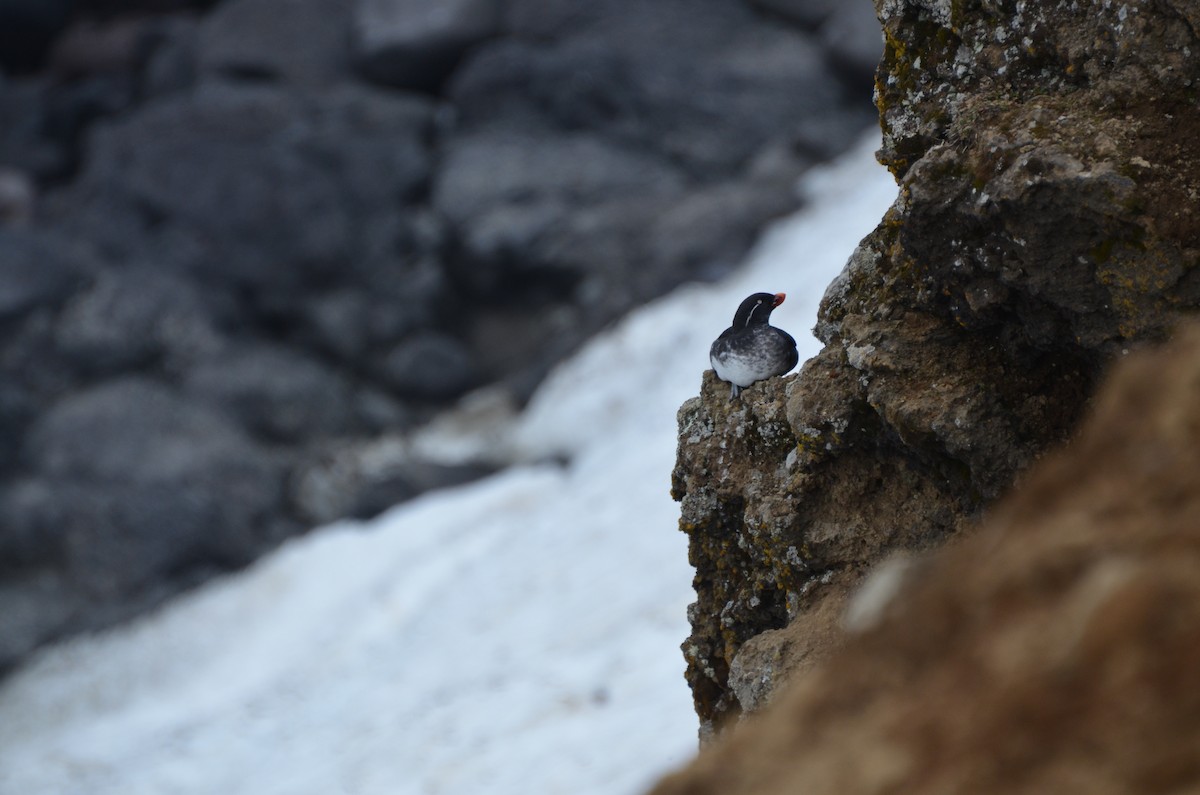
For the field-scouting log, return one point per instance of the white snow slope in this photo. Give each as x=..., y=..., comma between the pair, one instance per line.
x=518, y=635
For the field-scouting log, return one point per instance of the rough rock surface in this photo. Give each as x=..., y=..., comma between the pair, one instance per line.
x=305, y=241
x=1054, y=650
x=299, y=41
x=416, y=45
x=1045, y=168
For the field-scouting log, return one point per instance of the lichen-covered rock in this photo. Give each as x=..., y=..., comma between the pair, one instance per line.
x=1041, y=230
x=782, y=524
x=732, y=455
x=1051, y=138
x=1055, y=650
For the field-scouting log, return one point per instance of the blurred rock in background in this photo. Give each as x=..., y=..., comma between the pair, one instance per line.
x=242, y=241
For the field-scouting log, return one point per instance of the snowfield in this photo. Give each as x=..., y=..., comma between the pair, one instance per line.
x=519, y=635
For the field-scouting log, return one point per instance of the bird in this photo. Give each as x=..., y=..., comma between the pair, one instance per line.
x=751, y=349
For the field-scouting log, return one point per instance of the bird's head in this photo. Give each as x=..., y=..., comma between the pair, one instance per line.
x=757, y=308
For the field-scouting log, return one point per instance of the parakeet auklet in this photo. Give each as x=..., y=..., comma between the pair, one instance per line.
x=751, y=349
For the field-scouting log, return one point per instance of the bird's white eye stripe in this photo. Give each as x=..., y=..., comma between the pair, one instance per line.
x=757, y=304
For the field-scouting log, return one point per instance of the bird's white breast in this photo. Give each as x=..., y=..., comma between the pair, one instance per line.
x=740, y=370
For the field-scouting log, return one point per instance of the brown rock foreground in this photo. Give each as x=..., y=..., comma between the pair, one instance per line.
x=1056, y=650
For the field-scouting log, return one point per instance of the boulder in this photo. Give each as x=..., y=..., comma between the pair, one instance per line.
x=301, y=181
x=279, y=395
x=299, y=42
x=555, y=206
x=17, y=194
x=131, y=489
x=135, y=449
x=415, y=45
x=138, y=318
x=755, y=83
x=430, y=366
x=38, y=270
x=18, y=407
x=174, y=63
x=87, y=436
x=25, y=145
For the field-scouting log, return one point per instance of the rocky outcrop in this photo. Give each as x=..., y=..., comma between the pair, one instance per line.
x=285, y=234
x=1040, y=232
x=1054, y=650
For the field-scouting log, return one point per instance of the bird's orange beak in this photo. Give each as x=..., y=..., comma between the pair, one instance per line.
x=779, y=299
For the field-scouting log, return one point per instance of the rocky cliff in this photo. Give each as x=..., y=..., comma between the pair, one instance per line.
x=1046, y=163
x=1054, y=650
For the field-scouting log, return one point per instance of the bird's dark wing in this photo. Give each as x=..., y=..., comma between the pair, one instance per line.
x=729, y=332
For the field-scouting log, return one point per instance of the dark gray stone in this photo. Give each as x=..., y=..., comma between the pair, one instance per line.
x=34, y=606
x=807, y=14
x=134, y=318
x=708, y=109
x=487, y=170
x=299, y=180
x=74, y=106
x=687, y=24
x=430, y=366
x=353, y=324
x=706, y=234
x=174, y=63
x=30, y=361
x=394, y=287
x=302, y=42
x=25, y=144
x=17, y=409
x=133, y=491
x=176, y=529
x=534, y=208
x=17, y=194
x=279, y=394
x=134, y=429
x=415, y=44
x=37, y=269
x=135, y=484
